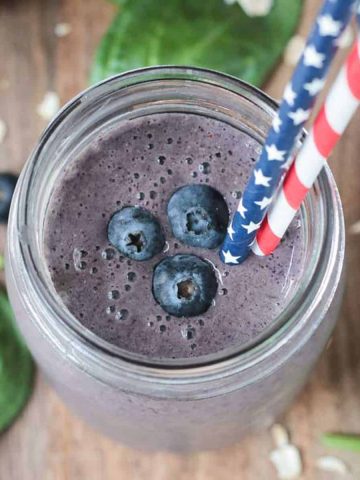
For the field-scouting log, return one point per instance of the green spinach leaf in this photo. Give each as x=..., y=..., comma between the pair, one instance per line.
x=16, y=367
x=203, y=33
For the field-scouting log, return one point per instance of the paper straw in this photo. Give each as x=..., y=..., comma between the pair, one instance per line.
x=299, y=97
x=337, y=111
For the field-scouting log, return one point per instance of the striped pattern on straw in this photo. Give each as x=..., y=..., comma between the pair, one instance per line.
x=337, y=111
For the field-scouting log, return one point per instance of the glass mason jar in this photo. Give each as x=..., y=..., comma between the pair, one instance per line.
x=181, y=406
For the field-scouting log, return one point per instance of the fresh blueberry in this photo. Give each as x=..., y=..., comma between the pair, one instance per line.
x=198, y=215
x=7, y=187
x=136, y=233
x=184, y=285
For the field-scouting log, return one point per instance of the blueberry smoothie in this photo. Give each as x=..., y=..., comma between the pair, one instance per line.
x=132, y=236
x=113, y=271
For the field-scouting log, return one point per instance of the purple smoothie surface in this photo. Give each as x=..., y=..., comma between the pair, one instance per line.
x=142, y=162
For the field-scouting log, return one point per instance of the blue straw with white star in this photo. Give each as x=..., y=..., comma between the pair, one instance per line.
x=298, y=99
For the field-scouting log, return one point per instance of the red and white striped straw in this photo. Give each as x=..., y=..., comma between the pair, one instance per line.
x=335, y=114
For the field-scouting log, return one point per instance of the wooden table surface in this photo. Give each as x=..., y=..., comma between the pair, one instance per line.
x=47, y=442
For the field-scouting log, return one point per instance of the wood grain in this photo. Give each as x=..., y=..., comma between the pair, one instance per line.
x=47, y=442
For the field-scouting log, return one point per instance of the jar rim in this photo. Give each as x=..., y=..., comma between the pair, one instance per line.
x=331, y=237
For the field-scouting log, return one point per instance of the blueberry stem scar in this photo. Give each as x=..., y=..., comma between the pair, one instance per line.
x=186, y=289
x=136, y=241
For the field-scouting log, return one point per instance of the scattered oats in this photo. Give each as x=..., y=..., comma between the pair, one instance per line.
x=294, y=49
x=280, y=435
x=62, y=29
x=286, y=457
x=287, y=461
x=256, y=8
x=49, y=106
x=355, y=228
x=3, y=130
x=333, y=465
x=346, y=38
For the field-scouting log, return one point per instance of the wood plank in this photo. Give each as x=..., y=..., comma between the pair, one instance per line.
x=47, y=442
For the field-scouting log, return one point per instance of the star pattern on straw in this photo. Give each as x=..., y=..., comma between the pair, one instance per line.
x=277, y=122
x=231, y=231
x=229, y=258
x=313, y=58
x=260, y=178
x=241, y=209
x=328, y=26
x=299, y=116
x=265, y=202
x=251, y=227
x=289, y=95
x=315, y=86
x=274, y=153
